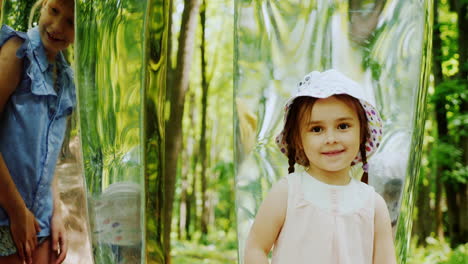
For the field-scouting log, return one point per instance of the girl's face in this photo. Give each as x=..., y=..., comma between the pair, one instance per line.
x=331, y=136
x=56, y=26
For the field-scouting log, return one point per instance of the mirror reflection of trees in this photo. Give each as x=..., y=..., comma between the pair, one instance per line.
x=121, y=67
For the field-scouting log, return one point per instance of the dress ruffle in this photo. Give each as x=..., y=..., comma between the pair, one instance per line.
x=33, y=50
x=7, y=32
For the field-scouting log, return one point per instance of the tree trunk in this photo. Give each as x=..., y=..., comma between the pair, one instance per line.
x=177, y=90
x=441, y=117
x=462, y=192
x=193, y=154
x=423, y=227
x=189, y=217
x=463, y=216
x=204, y=104
x=453, y=213
x=182, y=220
x=192, y=200
x=182, y=211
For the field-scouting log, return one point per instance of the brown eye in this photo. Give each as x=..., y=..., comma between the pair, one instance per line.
x=54, y=10
x=343, y=126
x=316, y=129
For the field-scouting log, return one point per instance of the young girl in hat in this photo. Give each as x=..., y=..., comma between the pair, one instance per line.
x=36, y=96
x=319, y=214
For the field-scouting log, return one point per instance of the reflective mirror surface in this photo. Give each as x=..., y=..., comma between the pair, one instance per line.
x=383, y=45
x=120, y=56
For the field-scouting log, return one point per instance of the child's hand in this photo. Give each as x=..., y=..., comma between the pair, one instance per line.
x=24, y=228
x=59, y=238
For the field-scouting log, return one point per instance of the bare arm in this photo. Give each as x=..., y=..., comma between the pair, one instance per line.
x=23, y=224
x=10, y=199
x=58, y=231
x=267, y=225
x=56, y=196
x=10, y=74
x=384, y=250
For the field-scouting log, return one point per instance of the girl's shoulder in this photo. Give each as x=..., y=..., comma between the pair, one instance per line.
x=7, y=33
x=290, y=181
x=293, y=177
x=363, y=187
x=366, y=191
x=32, y=48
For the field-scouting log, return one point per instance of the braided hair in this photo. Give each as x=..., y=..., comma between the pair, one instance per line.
x=292, y=129
x=365, y=176
x=291, y=158
x=364, y=136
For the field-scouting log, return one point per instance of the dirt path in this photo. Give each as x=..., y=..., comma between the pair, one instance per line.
x=72, y=194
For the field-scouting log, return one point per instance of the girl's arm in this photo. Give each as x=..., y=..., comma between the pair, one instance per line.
x=10, y=73
x=59, y=238
x=11, y=69
x=267, y=225
x=23, y=224
x=384, y=250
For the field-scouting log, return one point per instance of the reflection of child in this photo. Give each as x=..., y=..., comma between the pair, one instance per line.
x=36, y=96
x=321, y=214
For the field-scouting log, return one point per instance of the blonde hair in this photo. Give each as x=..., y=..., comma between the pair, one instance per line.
x=34, y=8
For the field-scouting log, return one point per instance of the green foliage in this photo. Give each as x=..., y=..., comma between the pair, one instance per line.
x=451, y=92
x=224, y=187
x=221, y=250
x=16, y=13
x=219, y=246
x=443, y=153
x=449, y=156
x=449, y=36
x=437, y=252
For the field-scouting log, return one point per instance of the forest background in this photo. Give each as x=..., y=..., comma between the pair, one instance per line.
x=203, y=222
x=200, y=137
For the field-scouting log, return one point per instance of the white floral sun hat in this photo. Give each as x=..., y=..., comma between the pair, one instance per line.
x=325, y=84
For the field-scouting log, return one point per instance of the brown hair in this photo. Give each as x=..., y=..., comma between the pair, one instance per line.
x=302, y=106
x=32, y=14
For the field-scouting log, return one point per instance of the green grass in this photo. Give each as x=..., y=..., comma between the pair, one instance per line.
x=220, y=248
x=187, y=252
x=437, y=252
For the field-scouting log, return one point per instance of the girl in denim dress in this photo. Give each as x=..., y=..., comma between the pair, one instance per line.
x=37, y=95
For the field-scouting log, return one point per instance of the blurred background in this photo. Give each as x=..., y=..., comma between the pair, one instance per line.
x=200, y=190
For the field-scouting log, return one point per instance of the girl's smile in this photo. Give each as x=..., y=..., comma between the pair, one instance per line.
x=56, y=26
x=333, y=153
x=52, y=38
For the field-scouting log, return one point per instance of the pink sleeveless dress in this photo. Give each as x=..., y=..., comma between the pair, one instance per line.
x=326, y=224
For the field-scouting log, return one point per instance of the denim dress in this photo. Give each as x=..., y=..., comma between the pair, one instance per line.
x=32, y=127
